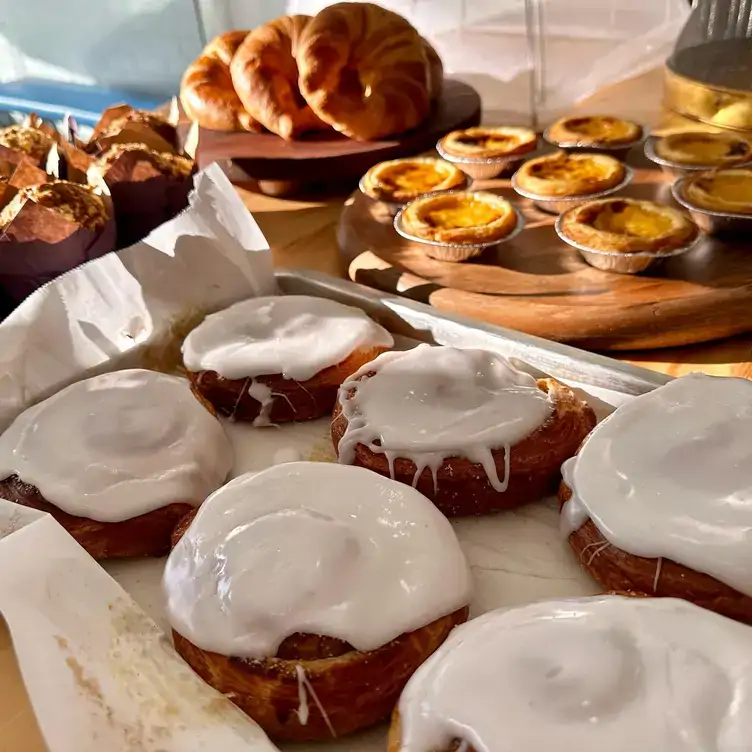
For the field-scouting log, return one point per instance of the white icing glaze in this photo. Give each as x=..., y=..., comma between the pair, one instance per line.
x=293, y=335
x=590, y=674
x=669, y=474
x=317, y=548
x=430, y=403
x=119, y=445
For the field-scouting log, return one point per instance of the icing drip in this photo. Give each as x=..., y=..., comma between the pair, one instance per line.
x=293, y=335
x=262, y=394
x=669, y=474
x=431, y=403
x=119, y=445
x=304, y=688
x=590, y=674
x=316, y=548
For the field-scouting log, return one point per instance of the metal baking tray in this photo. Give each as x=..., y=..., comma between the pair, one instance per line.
x=427, y=324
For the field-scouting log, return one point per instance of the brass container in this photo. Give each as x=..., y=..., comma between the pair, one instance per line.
x=711, y=83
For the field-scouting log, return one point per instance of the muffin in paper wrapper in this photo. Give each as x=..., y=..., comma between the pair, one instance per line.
x=144, y=195
x=39, y=244
x=122, y=124
x=26, y=143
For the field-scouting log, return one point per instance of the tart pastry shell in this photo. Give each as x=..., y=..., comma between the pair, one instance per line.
x=522, y=141
x=375, y=183
x=712, y=221
x=565, y=134
x=356, y=689
x=618, y=570
x=578, y=224
x=418, y=218
x=293, y=400
x=463, y=487
x=583, y=175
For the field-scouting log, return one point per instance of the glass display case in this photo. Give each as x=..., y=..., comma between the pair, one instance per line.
x=709, y=74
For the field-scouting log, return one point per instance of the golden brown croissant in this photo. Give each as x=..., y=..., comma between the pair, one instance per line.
x=265, y=76
x=435, y=71
x=364, y=70
x=207, y=93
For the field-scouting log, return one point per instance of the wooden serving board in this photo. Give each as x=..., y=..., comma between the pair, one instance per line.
x=283, y=167
x=538, y=284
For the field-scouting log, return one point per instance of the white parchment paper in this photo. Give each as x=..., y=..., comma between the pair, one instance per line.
x=91, y=642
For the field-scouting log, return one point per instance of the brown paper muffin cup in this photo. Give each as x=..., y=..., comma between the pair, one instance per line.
x=40, y=245
x=143, y=197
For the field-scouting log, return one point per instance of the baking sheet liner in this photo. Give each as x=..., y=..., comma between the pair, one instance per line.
x=96, y=662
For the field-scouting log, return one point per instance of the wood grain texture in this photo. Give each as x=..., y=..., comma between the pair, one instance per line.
x=302, y=235
x=330, y=157
x=538, y=284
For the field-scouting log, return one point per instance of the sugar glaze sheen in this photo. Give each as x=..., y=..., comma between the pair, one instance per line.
x=119, y=445
x=669, y=474
x=315, y=548
x=431, y=403
x=590, y=674
x=296, y=336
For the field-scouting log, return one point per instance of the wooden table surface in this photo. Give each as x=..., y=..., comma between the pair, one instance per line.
x=302, y=235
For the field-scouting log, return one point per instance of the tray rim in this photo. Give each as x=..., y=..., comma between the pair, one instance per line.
x=423, y=322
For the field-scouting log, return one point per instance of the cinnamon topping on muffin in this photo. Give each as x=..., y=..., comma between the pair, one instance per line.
x=151, y=119
x=77, y=203
x=168, y=164
x=31, y=141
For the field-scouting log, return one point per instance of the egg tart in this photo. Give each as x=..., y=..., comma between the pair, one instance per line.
x=567, y=175
x=485, y=143
x=727, y=190
x=698, y=149
x=597, y=131
x=629, y=226
x=402, y=180
x=460, y=218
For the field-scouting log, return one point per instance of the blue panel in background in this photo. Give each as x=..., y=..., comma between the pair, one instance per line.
x=53, y=99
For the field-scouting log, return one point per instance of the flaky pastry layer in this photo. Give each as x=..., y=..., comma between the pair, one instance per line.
x=464, y=217
x=487, y=143
x=463, y=488
x=627, y=225
x=562, y=174
x=595, y=130
x=402, y=180
x=697, y=148
x=727, y=190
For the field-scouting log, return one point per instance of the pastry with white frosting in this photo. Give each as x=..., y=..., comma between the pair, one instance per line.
x=310, y=592
x=117, y=460
x=659, y=498
x=588, y=674
x=465, y=427
x=276, y=359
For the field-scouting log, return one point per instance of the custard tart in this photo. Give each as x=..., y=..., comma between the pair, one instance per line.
x=599, y=131
x=464, y=217
x=628, y=226
x=486, y=143
x=698, y=149
x=402, y=180
x=567, y=175
x=728, y=191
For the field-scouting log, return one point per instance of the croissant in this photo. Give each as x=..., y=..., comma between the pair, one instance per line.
x=435, y=71
x=265, y=76
x=364, y=70
x=206, y=90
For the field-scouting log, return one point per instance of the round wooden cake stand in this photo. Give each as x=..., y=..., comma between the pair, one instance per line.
x=538, y=284
x=285, y=167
